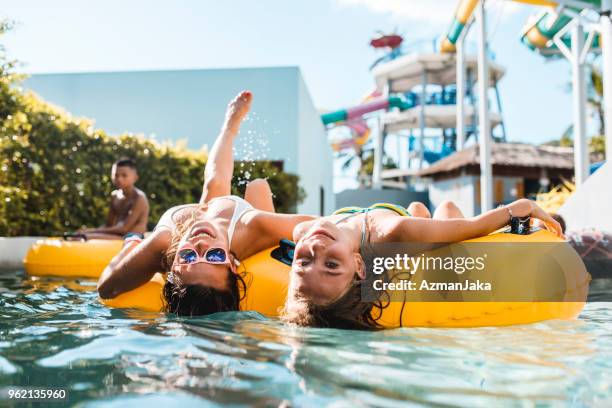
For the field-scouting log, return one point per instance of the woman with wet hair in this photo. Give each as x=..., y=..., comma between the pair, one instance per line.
x=200, y=246
x=328, y=269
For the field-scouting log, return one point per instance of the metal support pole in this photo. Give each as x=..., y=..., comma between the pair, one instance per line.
x=606, y=56
x=398, y=141
x=460, y=93
x=581, y=154
x=501, y=113
x=422, y=117
x=410, y=137
x=379, y=145
x=378, y=153
x=472, y=99
x=486, y=168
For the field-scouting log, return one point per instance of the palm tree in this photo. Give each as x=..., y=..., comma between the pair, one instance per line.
x=349, y=158
x=595, y=94
x=365, y=158
x=595, y=102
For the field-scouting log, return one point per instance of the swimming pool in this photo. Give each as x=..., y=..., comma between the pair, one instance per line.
x=54, y=334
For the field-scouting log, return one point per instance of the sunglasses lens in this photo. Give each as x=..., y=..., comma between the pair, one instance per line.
x=215, y=255
x=187, y=256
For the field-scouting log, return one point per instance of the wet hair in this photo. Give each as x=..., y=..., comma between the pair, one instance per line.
x=197, y=300
x=349, y=311
x=200, y=300
x=125, y=162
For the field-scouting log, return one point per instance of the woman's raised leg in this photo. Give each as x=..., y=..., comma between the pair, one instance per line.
x=259, y=195
x=447, y=209
x=419, y=210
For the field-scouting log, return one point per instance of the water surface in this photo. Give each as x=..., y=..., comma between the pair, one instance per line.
x=54, y=333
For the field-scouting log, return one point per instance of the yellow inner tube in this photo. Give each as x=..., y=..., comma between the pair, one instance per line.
x=58, y=257
x=268, y=280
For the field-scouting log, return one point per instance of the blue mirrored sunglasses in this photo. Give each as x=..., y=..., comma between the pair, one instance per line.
x=212, y=255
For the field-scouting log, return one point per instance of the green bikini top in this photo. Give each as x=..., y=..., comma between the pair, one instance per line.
x=352, y=211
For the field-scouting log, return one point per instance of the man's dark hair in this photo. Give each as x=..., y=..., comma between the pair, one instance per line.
x=560, y=220
x=126, y=162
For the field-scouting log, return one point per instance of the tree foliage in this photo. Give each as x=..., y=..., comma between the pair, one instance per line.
x=595, y=102
x=55, y=169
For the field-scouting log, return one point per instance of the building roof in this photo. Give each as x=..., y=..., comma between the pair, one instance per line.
x=506, y=154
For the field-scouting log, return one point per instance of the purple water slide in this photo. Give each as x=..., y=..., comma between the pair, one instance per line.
x=360, y=110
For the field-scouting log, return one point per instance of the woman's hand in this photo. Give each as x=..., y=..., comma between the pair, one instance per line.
x=524, y=207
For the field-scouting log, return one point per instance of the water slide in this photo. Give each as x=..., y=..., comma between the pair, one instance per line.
x=356, y=112
x=353, y=119
x=360, y=131
x=541, y=29
x=536, y=36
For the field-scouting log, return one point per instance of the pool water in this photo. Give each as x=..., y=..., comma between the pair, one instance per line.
x=55, y=334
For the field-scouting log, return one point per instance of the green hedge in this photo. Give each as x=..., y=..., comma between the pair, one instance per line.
x=55, y=169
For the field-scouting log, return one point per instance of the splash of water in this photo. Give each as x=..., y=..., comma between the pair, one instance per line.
x=252, y=145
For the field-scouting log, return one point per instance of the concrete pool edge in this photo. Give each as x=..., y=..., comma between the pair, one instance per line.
x=13, y=250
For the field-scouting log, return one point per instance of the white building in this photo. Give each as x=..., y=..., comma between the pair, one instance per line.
x=190, y=105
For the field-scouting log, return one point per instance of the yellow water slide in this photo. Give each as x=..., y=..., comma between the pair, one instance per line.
x=462, y=16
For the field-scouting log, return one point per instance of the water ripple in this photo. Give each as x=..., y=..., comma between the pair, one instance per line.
x=54, y=333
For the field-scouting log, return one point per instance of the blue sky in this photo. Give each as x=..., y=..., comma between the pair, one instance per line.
x=327, y=39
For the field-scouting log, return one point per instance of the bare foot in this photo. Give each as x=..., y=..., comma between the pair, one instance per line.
x=237, y=110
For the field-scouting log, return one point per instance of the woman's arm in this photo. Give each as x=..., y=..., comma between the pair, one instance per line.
x=134, y=265
x=459, y=229
x=279, y=226
x=220, y=164
x=265, y=229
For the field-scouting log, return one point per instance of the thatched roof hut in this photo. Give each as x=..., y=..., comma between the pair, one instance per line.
x=508, y=159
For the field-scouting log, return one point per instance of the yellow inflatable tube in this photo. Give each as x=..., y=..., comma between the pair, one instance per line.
x=268, y=279
x=147, y=297
x=58, y=257
x=473, y=314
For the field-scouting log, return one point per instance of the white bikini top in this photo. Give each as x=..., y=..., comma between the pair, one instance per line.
x=241, y=207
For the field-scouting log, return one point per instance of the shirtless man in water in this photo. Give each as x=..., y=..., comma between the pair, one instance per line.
x=129, y=209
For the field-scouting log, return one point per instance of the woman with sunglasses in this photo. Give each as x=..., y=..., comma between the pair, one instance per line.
x=201, y=245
